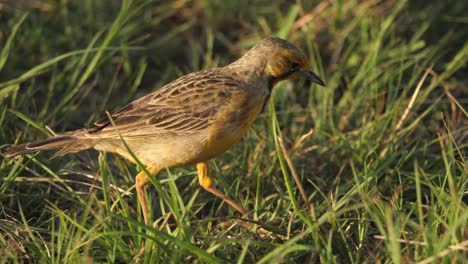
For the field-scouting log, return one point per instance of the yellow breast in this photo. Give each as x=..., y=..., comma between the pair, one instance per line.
x=230, y=125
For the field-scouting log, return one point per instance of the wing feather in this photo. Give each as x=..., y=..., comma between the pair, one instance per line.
x=186, y=104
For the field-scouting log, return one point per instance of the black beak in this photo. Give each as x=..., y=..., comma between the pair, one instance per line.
x=312, y=76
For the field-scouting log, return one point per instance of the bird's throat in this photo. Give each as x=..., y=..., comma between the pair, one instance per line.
x=272, y=81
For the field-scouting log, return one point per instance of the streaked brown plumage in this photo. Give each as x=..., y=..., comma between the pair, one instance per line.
x=190, y=120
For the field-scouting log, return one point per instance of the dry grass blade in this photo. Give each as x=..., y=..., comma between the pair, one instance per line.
x=413, y=99
x=461, y=246
x=294, y=173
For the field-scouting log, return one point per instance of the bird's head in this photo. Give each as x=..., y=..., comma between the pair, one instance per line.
x=284, y=61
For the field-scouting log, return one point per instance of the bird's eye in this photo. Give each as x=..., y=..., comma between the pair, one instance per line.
x=295, y=66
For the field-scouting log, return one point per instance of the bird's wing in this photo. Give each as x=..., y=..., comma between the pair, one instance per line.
x=186, y=104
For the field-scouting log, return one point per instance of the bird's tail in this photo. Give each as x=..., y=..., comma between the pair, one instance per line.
x=65, y=144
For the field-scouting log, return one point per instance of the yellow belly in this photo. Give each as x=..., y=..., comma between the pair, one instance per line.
x=228, y=131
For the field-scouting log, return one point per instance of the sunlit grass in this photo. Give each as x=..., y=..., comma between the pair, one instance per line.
x=371, y=168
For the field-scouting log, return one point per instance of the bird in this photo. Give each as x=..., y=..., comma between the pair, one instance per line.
x=190, y=120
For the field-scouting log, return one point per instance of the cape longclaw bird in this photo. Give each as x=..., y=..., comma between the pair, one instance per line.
x=190, y=120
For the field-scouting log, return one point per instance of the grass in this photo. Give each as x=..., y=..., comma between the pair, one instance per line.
x=373, y=168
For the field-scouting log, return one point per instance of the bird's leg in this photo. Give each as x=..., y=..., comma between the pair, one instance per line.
x=141, y=179
x=205, y=181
